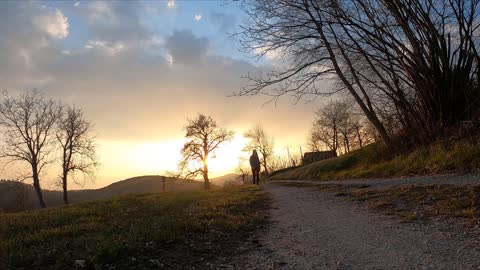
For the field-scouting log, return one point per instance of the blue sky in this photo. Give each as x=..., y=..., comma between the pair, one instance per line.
x=215, y=20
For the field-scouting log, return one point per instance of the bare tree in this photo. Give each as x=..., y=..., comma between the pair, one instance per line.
x=243, y=171
x=417, y=59
x=77, y=147
x=28, y=122
x=326, y=126
x=203, y=138
x=260, y=141
x=337, y=127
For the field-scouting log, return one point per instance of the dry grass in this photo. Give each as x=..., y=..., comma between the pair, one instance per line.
x=411, y=202
x=424, y=201
x=151, y=231
x=371, y=161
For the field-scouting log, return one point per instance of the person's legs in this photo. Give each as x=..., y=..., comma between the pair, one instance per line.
x=257, y=174
x=253, y=175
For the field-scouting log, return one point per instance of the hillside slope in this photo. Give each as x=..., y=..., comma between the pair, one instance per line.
x=372, y=161
x=227, y=180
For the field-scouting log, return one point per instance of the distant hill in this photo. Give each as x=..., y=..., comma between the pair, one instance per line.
x=227, y=180
x=17, y=196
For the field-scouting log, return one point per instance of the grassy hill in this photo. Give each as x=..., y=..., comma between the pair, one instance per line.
x=172, y=230
x=372, y=161
x=227, y=180
x=15, y=196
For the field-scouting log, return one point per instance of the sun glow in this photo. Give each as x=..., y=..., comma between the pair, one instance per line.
x=226, y=158
x=122, y=159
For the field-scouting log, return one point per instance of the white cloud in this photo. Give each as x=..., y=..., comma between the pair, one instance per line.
x=77, y=4
x=269, y=54
x=169, y=59
x=55, y=24
x=111, y=48
x=198, y=17
x=66, y=52
x=171, y=4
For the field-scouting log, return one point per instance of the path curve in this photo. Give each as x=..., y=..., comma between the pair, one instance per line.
x=315, y=230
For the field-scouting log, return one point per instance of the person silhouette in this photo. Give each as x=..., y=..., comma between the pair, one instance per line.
x=255, y=165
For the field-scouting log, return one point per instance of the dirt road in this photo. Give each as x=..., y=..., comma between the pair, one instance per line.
x=314, y=230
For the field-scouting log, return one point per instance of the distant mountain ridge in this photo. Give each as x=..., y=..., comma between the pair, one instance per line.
x=17, y=196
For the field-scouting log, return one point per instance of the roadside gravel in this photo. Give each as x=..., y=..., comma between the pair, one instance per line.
x=315, y=230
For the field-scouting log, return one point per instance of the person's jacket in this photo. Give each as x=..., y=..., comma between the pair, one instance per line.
x=255, y=162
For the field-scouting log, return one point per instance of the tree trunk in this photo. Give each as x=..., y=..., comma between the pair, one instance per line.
x=205, y=176
x=38, y=190
x=64, y=186
x=65, y=190
x=359, y=137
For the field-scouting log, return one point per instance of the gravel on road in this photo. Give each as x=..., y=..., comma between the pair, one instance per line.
x=315, y=230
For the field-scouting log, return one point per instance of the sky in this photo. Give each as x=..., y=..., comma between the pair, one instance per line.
x=139, y=70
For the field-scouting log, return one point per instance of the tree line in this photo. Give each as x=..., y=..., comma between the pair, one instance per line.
x=339, y=127
x=38, y=131
x=411, y=66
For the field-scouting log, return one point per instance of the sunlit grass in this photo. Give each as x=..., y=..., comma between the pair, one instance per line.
x=147, y=231
x=371, y=161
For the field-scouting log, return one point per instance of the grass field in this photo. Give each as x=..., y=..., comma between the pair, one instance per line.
x=371, y=161
x=151, y=231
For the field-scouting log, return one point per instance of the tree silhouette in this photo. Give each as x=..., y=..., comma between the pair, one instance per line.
x=203, y=138
x=77, y=147
x=28, y=123
x=415, y=59
x=260, y=141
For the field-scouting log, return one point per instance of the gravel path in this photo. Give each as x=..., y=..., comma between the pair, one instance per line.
x=314, y=230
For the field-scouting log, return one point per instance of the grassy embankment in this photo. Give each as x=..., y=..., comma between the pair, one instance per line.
x=150, y=231
x=371, y=161
x=407, y=202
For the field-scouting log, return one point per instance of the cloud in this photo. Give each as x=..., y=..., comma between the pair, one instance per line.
x=100, y=10
x=110, y=48
x=197, y=17
x=53, y=23
x=185, y=48
x=77, y=4
x=132, y=84
x=171, y=4
x=272, y=55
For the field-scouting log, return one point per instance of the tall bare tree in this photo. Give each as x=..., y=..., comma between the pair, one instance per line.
x=203, y=136
x=77, y=147
x=28, y=123
x=263, y=143
x=417, y=59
